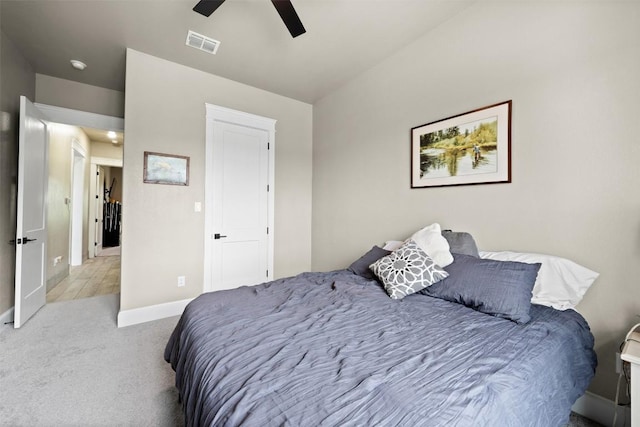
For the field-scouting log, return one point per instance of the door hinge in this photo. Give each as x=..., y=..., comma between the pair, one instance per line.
x=267, y=230
x=268, y=146
x=98, y=173
x=267, y=273
x=267, y=188
x=95, y=243
x=96, y=219
x=96, y=196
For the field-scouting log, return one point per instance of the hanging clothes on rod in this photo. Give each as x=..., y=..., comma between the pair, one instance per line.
x=111, y=224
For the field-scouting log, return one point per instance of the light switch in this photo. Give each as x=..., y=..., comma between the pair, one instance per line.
x=197, y=207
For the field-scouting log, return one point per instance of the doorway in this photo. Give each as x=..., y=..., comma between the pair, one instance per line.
x=99, y=211
x=63, y=203
x=98, y=273
x=87, y=275
x=109, y=209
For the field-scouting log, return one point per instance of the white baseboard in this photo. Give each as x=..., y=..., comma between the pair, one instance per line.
x=7, y=316
x=153, y=312
x=599, y=409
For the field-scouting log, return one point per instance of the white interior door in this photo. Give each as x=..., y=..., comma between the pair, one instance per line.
x=99, y=209
x=31, y=227
x=240, y=206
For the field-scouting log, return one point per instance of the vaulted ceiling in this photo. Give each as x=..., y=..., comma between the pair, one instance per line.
x=343, y=38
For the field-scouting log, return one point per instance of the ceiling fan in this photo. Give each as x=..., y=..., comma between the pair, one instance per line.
x=284, y=7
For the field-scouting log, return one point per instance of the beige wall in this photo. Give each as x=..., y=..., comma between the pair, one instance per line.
x=79, y=96
x=162, y=236
x=106, y=150
x=16, y=78
x=571, y=70
x=86, y=202
x=58, y=210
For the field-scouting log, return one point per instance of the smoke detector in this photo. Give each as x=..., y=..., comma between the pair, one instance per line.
x=78, y=65
x=203, y=43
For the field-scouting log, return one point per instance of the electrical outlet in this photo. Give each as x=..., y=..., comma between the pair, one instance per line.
x=181, y=281
x=618, y=363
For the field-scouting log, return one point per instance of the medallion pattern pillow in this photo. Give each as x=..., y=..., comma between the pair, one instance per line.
x=407, y=270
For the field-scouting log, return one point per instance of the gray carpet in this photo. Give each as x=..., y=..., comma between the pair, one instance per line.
x=579, y=421
x=71, y=366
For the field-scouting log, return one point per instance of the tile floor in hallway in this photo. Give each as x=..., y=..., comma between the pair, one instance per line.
x=96, y=276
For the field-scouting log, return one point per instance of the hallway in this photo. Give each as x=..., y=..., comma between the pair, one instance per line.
x=96, y=276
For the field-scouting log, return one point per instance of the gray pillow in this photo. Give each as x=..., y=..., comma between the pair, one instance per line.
x=498, y=288
x=361, y=265
x=461, y=243
x=407, y=270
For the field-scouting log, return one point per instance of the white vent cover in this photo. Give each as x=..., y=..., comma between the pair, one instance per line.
x=204, y=43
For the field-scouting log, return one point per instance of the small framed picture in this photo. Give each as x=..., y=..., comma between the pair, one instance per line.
x=470, y=148
x=166, y=169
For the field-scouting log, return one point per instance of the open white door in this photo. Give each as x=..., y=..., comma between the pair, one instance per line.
x=31, y=228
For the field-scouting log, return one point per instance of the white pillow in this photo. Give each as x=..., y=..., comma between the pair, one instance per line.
x=430, y=240
x=561, y=283
x=392, y=245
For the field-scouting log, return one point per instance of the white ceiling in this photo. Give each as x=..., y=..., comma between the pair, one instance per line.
x=100, y=135
x=343, y=39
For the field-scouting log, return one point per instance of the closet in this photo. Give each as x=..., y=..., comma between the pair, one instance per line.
x=112, y=209
x=111, y=224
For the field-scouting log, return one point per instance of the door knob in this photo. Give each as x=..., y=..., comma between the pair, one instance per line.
x=218, y=236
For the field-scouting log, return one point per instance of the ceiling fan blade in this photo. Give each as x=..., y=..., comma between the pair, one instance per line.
x=207, y=7
x=289, y=17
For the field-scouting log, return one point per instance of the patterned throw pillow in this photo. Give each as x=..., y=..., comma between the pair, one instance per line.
x=407, y=270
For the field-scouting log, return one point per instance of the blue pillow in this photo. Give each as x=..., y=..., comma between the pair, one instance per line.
x=498, y=288
x=461, y=242
x=361, y=265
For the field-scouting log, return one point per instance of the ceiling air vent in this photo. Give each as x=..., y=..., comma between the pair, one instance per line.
x=204, y=43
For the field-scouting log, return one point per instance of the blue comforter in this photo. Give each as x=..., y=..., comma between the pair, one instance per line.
x=332, y=349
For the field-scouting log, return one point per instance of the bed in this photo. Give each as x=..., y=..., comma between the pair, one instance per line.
x=332, y=349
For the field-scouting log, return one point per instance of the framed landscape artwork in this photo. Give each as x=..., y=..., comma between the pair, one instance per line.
x=165, y=169
x=470, y=148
